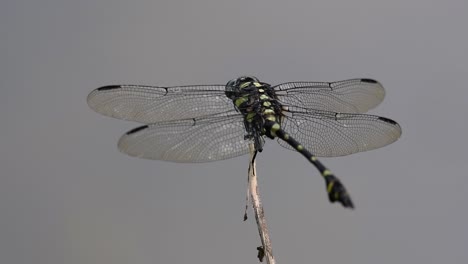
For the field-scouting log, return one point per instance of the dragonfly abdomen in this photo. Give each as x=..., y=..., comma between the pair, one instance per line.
x=336, y=190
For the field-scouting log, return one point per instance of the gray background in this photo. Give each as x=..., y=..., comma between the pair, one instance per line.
x=68, y=196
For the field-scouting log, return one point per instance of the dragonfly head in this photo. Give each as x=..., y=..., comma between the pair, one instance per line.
x=234, y=86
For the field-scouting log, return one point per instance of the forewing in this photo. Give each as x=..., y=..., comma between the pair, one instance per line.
x=328, y=134
x=348, y=96
x=150, y=104
x=192, y=140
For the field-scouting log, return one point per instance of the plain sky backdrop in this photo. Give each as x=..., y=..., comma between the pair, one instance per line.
x=68, y=196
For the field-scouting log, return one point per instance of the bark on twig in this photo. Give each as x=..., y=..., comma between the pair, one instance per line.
x=265, y=250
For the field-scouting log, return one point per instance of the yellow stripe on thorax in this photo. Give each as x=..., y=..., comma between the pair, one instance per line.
x=244, y=85
x=239, y=101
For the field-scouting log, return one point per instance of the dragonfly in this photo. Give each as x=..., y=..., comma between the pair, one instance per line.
x=203, y=123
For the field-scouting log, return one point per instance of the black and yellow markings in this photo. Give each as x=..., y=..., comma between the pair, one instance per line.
x=275, y=127
x=335, y=189
x=330, y=184
x=330, y=187
x=268, y=112
x=250, y=116
x=247, y=84
x=243, y=85
x=241, y=100
x=337, y=192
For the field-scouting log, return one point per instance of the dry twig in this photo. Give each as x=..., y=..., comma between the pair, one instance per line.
x=265, y=250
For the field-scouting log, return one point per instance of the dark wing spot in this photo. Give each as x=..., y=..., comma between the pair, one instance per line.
x=108, y=87
x=368, y=81
x=387, y=120
x=133, y=131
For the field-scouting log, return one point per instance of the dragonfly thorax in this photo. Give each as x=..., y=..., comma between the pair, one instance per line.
x=257, y=102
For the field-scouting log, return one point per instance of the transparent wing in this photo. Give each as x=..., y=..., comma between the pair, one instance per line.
x=348, y=96
x=150, y=104
x=192, y=140
x=329, y=134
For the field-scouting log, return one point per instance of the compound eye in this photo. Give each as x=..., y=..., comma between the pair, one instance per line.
x=243, y=79
x=250, y=79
